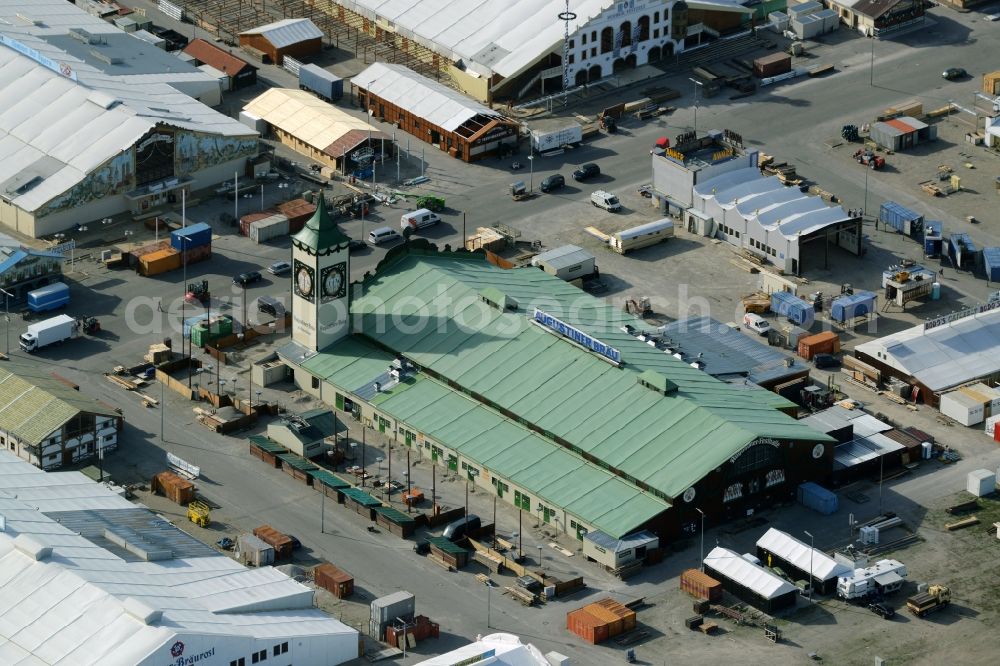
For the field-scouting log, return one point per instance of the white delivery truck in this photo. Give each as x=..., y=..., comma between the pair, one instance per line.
x=49, y=332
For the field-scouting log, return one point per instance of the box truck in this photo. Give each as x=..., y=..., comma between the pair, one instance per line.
x=317, y=80
x=49, y=332
x=50, y=297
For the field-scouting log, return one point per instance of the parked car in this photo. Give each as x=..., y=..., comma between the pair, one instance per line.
x=279, y=268
x=883, y=611
x=826, y=361
x=244, y=279
x=382, y=235
x=605, y=200
x=756, y=323
x=356, y=244
x=270, y=305
x=953, y=73
x=992, y=17
x=553, y=182
x=588, y=170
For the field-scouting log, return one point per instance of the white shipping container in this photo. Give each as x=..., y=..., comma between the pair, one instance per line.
x=981, y=482
x=991, y=424
x=963, y=408
x=264, y=230
x=550, y=139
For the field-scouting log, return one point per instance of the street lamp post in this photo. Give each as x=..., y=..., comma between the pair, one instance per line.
x=539, y=556
x=701, y=559
x=531, y=174
x=6, y=318
x=697, y=86
x=811, y=551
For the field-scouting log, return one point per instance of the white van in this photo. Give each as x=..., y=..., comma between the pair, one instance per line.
x=382, y=235
x=605, y=200
x=418, y=219
x=756, y=323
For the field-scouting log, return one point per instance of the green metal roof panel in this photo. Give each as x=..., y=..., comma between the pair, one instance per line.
x=395, y=515
x=328, y=479
x=33, y=404
x=550, y=382
x=447, y=546
x=297, y=461
x=351, y=361
x=361, y=497
x=265, y=444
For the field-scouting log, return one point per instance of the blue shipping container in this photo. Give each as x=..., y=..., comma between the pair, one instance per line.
x=962, y=251
x=902, y=219
x=817, y=498
x=49, y=297
x=197, y=235
x=848, y=307
x=793, y=308
x=991, y=262
x=323, y=83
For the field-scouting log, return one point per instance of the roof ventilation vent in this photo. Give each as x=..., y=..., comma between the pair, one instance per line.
x=654, y=381
x=497, y=299
x=84, y=36
x=141, y=611
x=32, y=548
x=105, y=58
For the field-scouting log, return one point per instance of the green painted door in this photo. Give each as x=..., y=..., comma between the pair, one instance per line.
x=382, y=423
x=547, y=514
x=434, y=454
x=453, y=463
x=340, y=402
x=409, y=437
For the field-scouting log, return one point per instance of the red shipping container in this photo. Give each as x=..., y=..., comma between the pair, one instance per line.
x=298, y=212
x=282, y=544
x=586, y=626
x=822, y=343
x=700, y=585
x=330, y=578
x=250, y=218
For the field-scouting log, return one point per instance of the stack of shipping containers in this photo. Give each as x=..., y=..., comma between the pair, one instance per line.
x=388, y=609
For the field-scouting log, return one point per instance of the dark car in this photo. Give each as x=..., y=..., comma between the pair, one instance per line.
x=553, y=182
x=243, y=279
x=826, y=361
x=356, y=244
x=421, y=547
x=953, y=73
x=586, y=171
x=883, y=611
x=272, y=306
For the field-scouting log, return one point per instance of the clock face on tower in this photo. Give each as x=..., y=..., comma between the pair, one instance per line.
x=304, y=281
x=334, y=282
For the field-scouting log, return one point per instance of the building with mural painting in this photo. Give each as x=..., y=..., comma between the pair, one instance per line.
x=95, y=123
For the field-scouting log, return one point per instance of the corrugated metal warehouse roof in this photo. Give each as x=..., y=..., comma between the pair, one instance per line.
x=33, y=403
x=561, y=257
x=102, y=608
x=801, y=555
x=667, y=442
x=746, y=573
x=507, y=448
x=723, y=350
x=947, y=355
x=861, y=449
x=287, y=32
x=423, y=97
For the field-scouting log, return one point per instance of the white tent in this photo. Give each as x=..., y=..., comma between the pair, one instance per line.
x=746, y=573
x=798, y=554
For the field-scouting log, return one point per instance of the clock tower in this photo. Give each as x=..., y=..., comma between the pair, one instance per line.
x=320, y=272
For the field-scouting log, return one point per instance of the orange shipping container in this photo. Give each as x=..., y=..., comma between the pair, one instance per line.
x=700, y=585
x=281, y=543
x=617, y=611
x=586, y=626
x=158, y=262
x=821, y=343
x=173, y=487
x=330, y=578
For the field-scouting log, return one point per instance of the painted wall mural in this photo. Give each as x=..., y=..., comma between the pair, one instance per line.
x=113, y=177
x=195, y=151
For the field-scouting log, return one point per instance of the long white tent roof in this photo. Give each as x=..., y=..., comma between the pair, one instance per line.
x=423, y=97
x=747, y=574
x=769, y=203
x=57, y=126
x=67, y=598
x=946, y=355
x=801, y=555
x=486, y=35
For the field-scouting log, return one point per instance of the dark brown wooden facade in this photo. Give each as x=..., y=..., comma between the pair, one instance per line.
x=299, y=50
x=478, y=138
